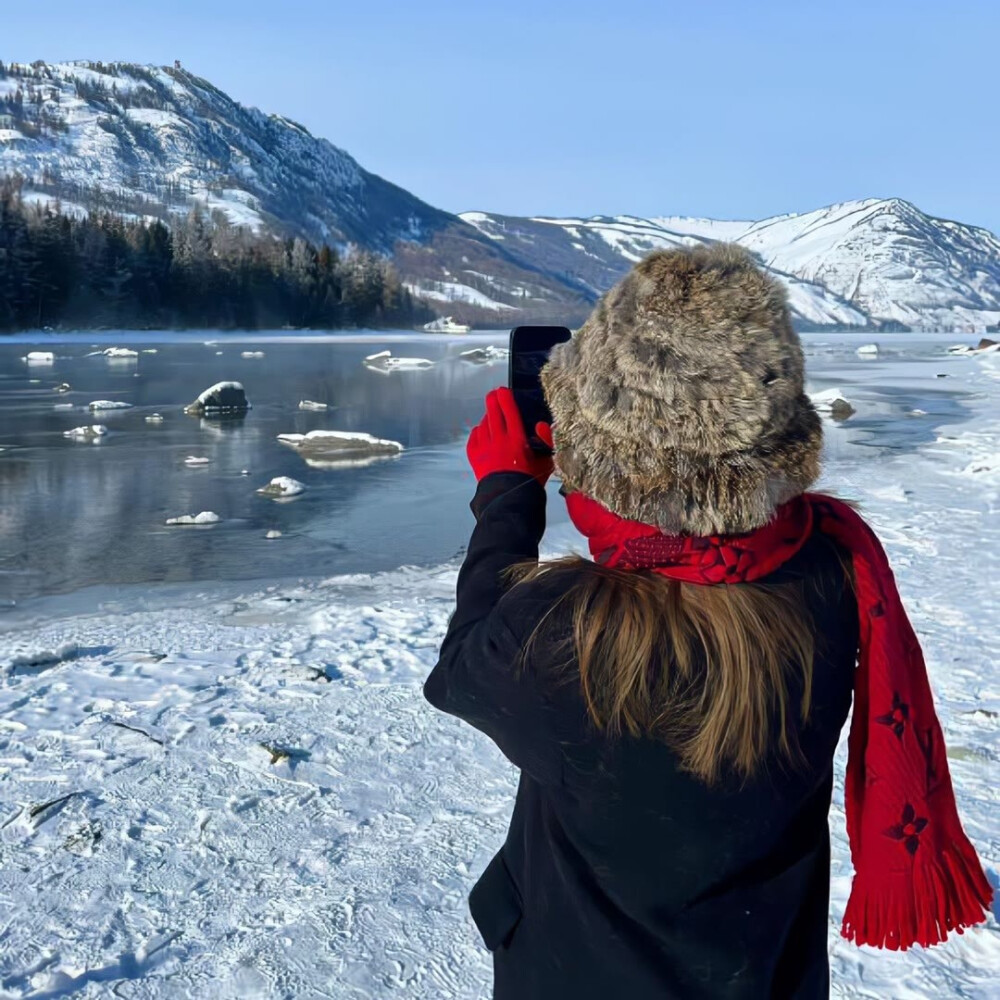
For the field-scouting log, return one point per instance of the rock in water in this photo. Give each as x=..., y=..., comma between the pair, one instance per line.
x=282, y=487
x=221, y=399
x=984, y=345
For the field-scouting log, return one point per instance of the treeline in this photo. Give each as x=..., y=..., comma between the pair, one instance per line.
x=103, y=271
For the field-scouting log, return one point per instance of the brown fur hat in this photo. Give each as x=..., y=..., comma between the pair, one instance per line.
x=680, y=401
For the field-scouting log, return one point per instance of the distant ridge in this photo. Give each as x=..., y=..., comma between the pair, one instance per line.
x=161, y=142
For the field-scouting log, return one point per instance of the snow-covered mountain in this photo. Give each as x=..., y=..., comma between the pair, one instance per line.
x=872, y=262
x=158, y=141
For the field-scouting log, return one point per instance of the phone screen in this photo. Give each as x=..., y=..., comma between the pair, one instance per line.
x=529, y=350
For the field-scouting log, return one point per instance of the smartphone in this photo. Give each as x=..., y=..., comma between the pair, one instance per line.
x=529, y=350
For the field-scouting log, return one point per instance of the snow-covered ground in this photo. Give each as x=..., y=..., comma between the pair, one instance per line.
x=206, y=793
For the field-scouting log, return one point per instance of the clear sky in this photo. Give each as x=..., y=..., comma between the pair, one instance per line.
x=725, y=108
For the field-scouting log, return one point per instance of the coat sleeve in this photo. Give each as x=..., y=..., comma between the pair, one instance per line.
x=476, y=677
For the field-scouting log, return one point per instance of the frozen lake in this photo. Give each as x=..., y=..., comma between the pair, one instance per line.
x=78, y=515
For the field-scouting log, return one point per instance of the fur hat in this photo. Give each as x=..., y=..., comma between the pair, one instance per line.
x=680, y=400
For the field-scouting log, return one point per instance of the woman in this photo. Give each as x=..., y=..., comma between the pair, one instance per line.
x=674, y=705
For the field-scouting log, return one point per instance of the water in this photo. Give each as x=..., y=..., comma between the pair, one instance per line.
x=76, y=515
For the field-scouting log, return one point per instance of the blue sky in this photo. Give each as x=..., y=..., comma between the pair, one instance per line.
x=719, y=108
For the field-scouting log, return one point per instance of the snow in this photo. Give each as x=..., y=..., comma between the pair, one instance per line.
x=282, y=488
x=205, y=517
x=454, y=291
x=109, y=404
x=90, y=434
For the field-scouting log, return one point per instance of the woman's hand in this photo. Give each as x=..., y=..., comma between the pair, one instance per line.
x=499, y=442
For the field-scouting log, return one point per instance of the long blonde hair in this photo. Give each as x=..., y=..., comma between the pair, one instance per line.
x=706, y=669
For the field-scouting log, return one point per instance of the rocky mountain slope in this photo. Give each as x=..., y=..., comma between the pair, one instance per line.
x=873, y=262
x=159, y=141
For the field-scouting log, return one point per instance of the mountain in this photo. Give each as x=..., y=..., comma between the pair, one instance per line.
x=159, y=141
x=873, y=262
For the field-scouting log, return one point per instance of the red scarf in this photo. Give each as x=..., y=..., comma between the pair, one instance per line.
x=917, y=876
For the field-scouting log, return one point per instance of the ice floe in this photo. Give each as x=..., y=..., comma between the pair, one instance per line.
x=39, y=357
x=91, y=433
x=63, y=406
x=327, y=449
x=154, y=418
x=109, y=404
x=205, y=517
x=196, y=460
x=251, y=354
x=383, y=362
x=484, y=355
x=63, y=387
x=309, y=404
x=868, y=350
x=273, y=533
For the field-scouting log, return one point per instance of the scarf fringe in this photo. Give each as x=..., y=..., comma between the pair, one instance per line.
x=945, y=894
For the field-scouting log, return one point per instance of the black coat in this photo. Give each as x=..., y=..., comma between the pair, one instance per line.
x=623, y=876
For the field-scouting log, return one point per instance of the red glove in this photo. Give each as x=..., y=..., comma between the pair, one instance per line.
x=500, y=444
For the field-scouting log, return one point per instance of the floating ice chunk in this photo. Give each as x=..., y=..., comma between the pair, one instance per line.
x=39, y=357
x=63, y=387
x=832, y=403
x=154, y=418
x=150, y=350
x=90, y=434
x=223, y=397
x=273, y=533
x=244, y=472
x=121, y=353
x=308, y=404
x=218, y=354
x=868, y=350
x=328, y=449
x=196, y=460
x=960, y=349
x=282, y=487
x=383, y=362
x=205, y=517
x=251, y=354
x=483, y=355
x=109, y=404
x=63, y=406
